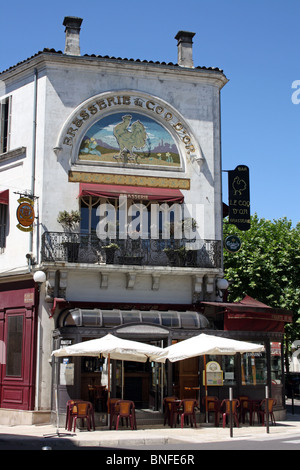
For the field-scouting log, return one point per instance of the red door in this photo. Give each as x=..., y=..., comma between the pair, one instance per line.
x=18, y=336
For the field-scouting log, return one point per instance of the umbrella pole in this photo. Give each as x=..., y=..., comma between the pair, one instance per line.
x=205, y=379
x=57, y=433
x=108, y=390
x=122, y=380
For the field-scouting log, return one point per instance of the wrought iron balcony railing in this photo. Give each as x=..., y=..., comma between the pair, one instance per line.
x=88, y=248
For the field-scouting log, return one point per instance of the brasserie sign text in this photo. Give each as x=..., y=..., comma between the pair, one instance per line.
x=132, y=101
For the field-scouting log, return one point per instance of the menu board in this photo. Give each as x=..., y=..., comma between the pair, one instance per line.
x=214, y=374
x=213, y=378
x=66, y=374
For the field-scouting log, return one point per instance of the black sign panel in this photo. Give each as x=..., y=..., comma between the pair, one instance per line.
x=239, y=197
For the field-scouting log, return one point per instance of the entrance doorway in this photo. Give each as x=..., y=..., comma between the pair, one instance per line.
x=186, y=375
x=142, y=383
x=137, y=378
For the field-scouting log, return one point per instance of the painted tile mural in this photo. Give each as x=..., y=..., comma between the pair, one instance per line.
x=131, y=139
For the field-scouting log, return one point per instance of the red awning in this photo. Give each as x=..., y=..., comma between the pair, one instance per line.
x=134, y=192
x=251, y=315
x=4, y=196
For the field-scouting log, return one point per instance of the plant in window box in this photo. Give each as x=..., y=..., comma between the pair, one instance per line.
x=110, y=250
x=181, y=256
x=173, y=256
x=187, y=256
x=70, y=222
x=181, y=252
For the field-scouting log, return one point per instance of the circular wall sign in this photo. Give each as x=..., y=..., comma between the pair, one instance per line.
x=25, y=214
x=233, y=244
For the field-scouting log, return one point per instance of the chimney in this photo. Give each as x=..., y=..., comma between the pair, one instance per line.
x=72, y=24
x=185, y=48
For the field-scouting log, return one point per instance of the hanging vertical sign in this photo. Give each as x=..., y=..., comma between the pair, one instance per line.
x=239, y=197
x=25, y=214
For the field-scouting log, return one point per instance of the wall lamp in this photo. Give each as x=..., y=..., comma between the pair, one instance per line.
x=222, y=286
x=39, y=277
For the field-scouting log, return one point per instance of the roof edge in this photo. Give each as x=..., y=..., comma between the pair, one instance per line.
x=47, y=52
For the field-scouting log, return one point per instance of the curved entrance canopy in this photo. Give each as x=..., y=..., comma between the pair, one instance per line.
x=113, y=318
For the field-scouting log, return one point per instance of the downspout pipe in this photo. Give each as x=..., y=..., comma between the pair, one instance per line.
x=32, y=193
x=33, y=159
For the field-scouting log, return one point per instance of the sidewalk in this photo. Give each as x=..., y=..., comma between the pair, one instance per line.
x=17, y=437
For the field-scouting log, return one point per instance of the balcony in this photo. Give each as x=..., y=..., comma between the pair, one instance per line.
x=88, y=248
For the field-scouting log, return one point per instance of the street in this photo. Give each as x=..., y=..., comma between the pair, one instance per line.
x=284, y=436
x=267, y=443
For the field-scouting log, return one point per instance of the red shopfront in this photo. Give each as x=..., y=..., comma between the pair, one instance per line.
x=253, y=321
x=18, y=320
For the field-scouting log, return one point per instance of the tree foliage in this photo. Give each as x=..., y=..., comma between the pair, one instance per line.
x=267, y=267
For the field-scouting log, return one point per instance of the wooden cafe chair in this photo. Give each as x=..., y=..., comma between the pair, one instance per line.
x=187, y=410
x=82, y=410
x=226, y=411
x=263, y=410
x=125, y=409
x=167, y=408
x=212, y=407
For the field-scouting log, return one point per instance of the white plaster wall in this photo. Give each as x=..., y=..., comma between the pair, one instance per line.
x=61, y=88
x=66, y=89
x=16, y=173
x=85, y=286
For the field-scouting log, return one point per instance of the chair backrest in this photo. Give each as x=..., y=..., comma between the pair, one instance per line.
x=211, y=402
x=168, y=401
x=235, y=405
x=111, y=404
x=72, y=405
x=73, y=408
x=188, y=405
x=271, y=403
x=82, y=409
x=112, y=401
x=244, y=401
x=125, y=407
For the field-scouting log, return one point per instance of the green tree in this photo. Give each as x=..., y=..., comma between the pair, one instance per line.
x=267, y=267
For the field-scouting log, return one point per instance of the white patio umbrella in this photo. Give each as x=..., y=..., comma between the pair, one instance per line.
x=111, y=347
x=202, y=345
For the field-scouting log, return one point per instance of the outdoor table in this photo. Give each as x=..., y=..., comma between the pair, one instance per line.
x=98, y=396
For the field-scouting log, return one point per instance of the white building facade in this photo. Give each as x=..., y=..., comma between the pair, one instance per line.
x=133, y=144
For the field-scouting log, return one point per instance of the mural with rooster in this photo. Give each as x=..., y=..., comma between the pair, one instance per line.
x=129, y=139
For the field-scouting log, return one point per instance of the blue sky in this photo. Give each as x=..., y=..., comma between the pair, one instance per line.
x=255, y=42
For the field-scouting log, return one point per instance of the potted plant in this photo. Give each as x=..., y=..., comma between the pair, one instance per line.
x=110, y=250
x=173, y=256
x=70, y=221
x=180, y=256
